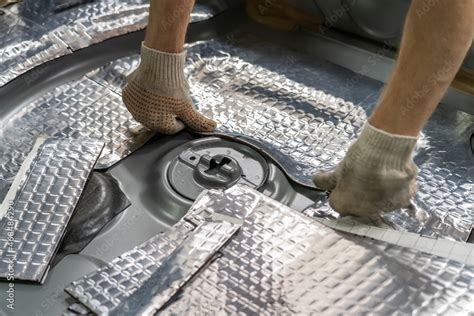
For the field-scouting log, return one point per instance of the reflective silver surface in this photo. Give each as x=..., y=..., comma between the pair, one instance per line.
x=44, y=201
x=301, y=111
x=305, y=112
x=34, y=31
x=79, y=108
x=103, y=290
x=25, y=45
x=178, y=268
x=282, y=262
x=460, y=251
x=89, y=23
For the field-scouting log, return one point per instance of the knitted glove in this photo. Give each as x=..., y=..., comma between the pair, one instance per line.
x=376, y=175
x=157, y=94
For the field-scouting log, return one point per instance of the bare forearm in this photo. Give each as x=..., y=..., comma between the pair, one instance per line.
x=167, y=24
x=435, y=41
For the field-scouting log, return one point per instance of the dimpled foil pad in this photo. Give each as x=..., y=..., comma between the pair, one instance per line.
x=117, y=287
x=36, y=31
x=282, y=262
x=302, y=111
x=80, y=108
x=44, y=201
x=305, y=112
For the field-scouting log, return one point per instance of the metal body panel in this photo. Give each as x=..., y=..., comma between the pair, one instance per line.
x=282, y=262
x=305, y=113
x=446, y=177
x=292, y=107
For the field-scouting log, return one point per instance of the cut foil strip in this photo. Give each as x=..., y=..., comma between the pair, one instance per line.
x=282, y=262
x=454, y=250
x=304, y=113
x=25, y=45
x=78, y=309
x=78, y=109
x=34, y=31
x=178, y=268
x=45, y=199
x=102, y=292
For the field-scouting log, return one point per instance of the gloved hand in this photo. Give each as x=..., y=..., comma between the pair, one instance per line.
x=157, y=94
x=376, y=175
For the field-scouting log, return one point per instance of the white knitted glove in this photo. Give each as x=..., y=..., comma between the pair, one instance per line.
x=157, y=94
x=376, y=175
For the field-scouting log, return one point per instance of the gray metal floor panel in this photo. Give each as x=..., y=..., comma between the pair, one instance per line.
x=304, y=113
x=282, y=262
x=297, y=113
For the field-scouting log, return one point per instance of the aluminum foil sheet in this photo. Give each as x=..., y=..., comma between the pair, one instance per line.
x=305, y=113
x=282, y=262
x=103, y=291
x=36, y=31
x=114, y=74
x=77, y=109
x=301, y=111
x=178, y=268
x=44, y=201
x=455, y=250
x=86, y=24
x=25, y=45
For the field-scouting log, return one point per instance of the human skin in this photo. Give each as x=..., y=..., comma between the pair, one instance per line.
x=436, y=38
x=167, y=24
x=435, y=41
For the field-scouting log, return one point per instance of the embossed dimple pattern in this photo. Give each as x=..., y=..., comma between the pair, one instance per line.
x=43, y=206
x=122, y=276
x=282, y=262
x=42, y=116
x=34, y=32
x=80, y=108
x=106, y=119
x=178, y=268
x=25, y=45
x=305, y=113
x=114, y=74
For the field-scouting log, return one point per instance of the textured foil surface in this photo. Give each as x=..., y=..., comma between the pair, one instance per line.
x=86, y=24
x=34, y=31
x=282, y=262
x=175, y=270
x=305, y=113
x=77, y=109
x=25, y=45
x=103, y=290
x=44, y=202
x=459, y=251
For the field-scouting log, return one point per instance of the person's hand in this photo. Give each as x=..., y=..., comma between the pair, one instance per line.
x=157, y=94
x=376, y=175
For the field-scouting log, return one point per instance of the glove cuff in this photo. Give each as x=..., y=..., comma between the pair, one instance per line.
x=159, y=68
x=390, y=150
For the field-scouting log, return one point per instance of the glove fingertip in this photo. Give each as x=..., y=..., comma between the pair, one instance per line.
x=198, y=122
x=325, y=180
